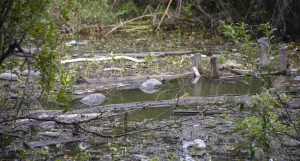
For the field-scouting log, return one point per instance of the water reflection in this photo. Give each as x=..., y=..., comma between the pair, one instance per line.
x=205, y=87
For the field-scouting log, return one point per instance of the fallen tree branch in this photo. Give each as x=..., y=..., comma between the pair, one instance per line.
x=102, y=59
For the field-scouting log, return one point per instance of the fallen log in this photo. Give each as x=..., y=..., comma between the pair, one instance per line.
x=134, y=79
x=140, y=54
x=240, y=71
x=178, y=52
x=163, y=103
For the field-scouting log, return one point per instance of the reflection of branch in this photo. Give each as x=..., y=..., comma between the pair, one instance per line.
x=144, y=130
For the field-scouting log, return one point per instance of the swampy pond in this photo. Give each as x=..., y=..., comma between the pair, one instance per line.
x=186, y=118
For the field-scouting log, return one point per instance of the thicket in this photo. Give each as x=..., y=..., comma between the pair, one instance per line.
x=94, y=15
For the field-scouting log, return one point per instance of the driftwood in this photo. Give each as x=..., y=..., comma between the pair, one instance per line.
x=196, y=72
x=102, y=59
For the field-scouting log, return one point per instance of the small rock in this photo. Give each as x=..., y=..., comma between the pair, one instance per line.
x=199, y=144
x=93, y=99
x=8, y=76
x=86, y=55
x=237, y=54
x=151, y=86
x=234, y=50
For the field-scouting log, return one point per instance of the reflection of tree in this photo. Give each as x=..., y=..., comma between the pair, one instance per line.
x=198, y=87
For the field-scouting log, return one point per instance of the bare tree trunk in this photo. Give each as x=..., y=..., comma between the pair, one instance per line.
x=222, y=4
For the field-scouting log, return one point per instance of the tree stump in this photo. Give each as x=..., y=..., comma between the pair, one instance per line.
x=214, y=68
x=282, y=60
x=263, y=56
x=198, y=63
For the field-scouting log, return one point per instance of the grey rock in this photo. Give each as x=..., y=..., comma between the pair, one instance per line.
x=75, y=55
x=151, y=86
x=8, y=76
x=32, y=73
x=86, y=55
x=93, y=99
x=297, y=78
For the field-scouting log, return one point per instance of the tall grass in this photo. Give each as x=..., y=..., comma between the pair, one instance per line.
x=81, y=16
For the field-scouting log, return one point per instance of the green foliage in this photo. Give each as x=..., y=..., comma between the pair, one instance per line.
x=258, y=12
x=64, y=94
x=47, y=63
x=259, y=129
x=128, y=8
x=83, y=156
x=222, y=59
x=29, y=24
x=239, y=35
x=5, y=140
x=187, y=10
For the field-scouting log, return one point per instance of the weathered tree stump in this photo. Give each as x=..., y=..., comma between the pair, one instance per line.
x=263, y=55
x=214, y=68
x=198, y=63
x=282, y=60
